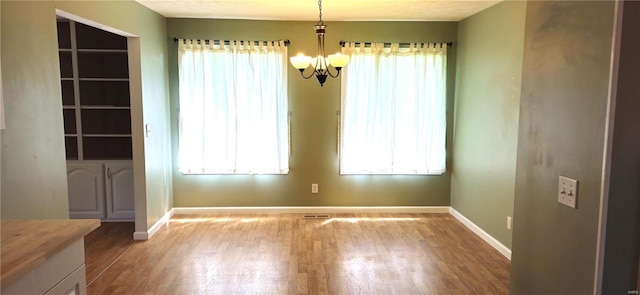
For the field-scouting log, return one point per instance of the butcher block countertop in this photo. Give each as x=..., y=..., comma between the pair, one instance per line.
x=26, y=244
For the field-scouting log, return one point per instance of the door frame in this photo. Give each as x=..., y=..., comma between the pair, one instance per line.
x=137, y=120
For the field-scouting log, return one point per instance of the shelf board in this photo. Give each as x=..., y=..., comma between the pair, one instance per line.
x=101, y=50
x=64, y=49
x=105, y=79
x=106, y=135
x=68, y=107
x=71, y=135
x=103, y=159
x=66, y=79
x=104, y=107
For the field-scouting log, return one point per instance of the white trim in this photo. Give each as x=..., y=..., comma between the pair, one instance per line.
x=481, y=233
x=608, y=143
x=140, y=236
x=145, y=235
x=92, y=23
x=311, y=209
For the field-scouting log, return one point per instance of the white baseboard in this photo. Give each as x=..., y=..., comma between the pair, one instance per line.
x=145, y=235
x=482, y=234
x=140, y=236
x=310, y=209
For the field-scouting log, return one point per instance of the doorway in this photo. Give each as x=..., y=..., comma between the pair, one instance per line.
x=96, y=107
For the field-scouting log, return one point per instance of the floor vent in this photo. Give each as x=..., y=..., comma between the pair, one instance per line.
x=316, y=216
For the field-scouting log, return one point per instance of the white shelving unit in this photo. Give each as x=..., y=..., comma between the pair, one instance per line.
x=97, y=121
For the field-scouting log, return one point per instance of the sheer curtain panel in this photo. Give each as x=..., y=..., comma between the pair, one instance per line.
x=233, y=107
x=394, y=109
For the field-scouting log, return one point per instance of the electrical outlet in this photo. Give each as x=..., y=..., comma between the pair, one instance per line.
x=509, y=222
x=314, y=188
x=568, y=191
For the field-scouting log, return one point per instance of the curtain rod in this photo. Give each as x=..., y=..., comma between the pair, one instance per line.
x=450, y=43
x=226, y=42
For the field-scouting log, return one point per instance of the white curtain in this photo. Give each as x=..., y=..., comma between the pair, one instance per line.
x=233, y=107
x=394, y=109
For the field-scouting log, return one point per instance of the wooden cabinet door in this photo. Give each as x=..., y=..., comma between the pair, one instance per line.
x=86, y=190
x=120, y=202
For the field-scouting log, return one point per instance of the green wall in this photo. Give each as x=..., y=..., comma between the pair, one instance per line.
x=565, y=80
x=314, y=158
x=33, y=160
x=34, y=183
x=486, y=116
x=620, y=264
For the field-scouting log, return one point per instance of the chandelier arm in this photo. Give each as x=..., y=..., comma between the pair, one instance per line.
x=312, y=74
x=328, y=72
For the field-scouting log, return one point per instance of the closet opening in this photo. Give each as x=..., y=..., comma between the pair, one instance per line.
x=96, y=106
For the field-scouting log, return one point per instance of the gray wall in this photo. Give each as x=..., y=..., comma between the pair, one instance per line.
x=567, y=52
x=622, y=232
x=487, y=107
x=314, y=157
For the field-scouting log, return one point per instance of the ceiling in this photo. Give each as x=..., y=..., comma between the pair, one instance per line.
x=332, y=10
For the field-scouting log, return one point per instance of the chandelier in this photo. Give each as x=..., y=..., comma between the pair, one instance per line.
x=320, y=64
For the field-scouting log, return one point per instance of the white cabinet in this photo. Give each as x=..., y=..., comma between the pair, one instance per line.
x=61, y=274
x=86, y=190
x=119, y=192
x=101, y=189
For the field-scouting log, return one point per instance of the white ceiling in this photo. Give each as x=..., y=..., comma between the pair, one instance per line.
x=332, y=10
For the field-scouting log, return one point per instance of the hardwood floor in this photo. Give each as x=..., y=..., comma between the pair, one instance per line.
x=285, y=254
x=105, y=245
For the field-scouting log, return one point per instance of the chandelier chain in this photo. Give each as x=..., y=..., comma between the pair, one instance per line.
x=320, y=65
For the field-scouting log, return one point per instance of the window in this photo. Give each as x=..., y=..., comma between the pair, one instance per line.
x=233, y=107
x=394, y=109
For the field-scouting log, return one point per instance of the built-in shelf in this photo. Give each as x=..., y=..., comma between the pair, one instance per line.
x=95, y=92
x=96, y=107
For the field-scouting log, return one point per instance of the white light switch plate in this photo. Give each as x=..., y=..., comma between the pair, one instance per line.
x=568, y=191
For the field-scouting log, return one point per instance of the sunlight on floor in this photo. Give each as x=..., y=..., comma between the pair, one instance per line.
x=211, y=219
x=358, y=219
x=217, y=219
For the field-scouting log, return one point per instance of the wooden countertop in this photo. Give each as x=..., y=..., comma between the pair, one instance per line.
x=25, y=244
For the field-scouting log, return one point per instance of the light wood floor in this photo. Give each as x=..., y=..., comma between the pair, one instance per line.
x=105, y=245
x=285, y=254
